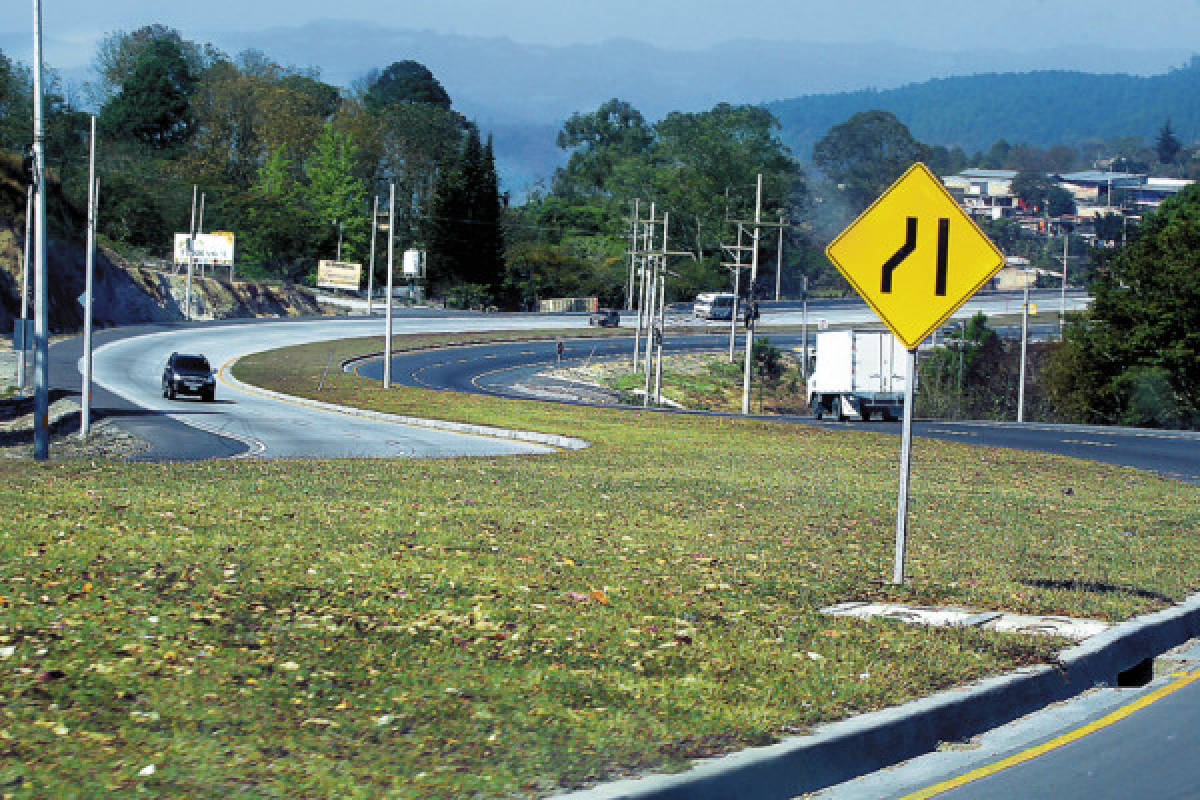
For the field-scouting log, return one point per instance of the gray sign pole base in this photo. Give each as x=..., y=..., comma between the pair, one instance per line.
x=910, y=380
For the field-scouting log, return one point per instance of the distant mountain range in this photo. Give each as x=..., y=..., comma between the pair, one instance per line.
x=1038, y=108
x=522, y=93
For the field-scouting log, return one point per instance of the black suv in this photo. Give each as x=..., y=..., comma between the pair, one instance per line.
x=188, y=374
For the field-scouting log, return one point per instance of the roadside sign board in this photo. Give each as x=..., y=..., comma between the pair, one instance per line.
x=915, y=256
x=339, y=275
x=214, y=248
x=23, y=335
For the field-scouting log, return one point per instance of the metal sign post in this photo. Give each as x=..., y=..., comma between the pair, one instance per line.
x=910, y=379
x=915, y=257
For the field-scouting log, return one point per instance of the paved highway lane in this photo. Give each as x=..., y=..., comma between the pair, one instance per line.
x=1107, y=744
x=127, y=377
x=273, y=428
x=509, y=369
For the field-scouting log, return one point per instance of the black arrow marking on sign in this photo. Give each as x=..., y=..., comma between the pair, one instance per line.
x=943, y=257
x=910, y=244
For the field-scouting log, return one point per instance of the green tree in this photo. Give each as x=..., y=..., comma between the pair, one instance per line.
x=1146, y=316
x=16, y=104
x=599, y=142
x=118, y=53
x=248, y=109
x=1167, y=146
x=466, y=245
x=335, y=196
x=866, y=154
x=1059, y=202
x=153, y=104
x=404, y=82
x=1033, y=188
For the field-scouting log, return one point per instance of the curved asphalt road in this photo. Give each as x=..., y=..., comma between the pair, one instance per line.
x=501, y=369
x=127, y=365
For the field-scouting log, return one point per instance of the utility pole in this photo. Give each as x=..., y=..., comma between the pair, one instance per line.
x=644, y=292
x=660, y=327
x=804, y=333
x=736, y=266
x=750, y=294
x=371, y=269
x=41, y=327
x=1062, y=314
x=632, y=257
x=1024, y=339
x=85, y=415
x=651, y=305
x=191, y=265
x=779, y=260
x=200, y=227
x=21, y=366
x=387, y=326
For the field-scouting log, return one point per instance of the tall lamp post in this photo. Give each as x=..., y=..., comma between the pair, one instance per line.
x=387, y=327
x=41, y=326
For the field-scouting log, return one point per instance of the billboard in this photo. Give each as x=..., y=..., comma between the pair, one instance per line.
x=339, y=275
x=211, y=248
x=414, y=264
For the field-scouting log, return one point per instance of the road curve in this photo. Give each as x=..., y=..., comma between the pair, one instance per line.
x=510, y=369
x=242, y=423
x=272, y=427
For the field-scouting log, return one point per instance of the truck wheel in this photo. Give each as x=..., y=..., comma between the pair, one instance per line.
x=866, y=415
x=839, y=409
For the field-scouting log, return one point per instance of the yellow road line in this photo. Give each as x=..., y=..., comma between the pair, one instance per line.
x=1053, y=744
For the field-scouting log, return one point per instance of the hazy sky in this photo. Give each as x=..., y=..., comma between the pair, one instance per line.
x=72, y=27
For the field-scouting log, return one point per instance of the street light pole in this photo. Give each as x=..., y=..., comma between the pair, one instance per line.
x=41, y=326
x=85, y=414
x=387, y=329
x=371, y=269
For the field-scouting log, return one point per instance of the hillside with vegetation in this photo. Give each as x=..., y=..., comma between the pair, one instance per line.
x=1042, y=109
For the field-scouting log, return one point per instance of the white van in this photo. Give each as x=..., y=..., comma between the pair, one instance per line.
x=713, y=305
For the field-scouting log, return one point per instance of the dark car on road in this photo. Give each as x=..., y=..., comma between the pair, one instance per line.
x=605, y=319
x=188, y=374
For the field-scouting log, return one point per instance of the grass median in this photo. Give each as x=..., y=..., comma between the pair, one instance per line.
x=507, y=627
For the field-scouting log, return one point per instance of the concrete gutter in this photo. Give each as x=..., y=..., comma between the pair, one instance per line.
x=533, y=437
x=858, y=746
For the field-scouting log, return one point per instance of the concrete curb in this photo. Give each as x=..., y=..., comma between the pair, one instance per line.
x=548, y=439
x=847, y=749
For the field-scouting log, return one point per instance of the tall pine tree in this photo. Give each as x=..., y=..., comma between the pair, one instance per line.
x=466, y=243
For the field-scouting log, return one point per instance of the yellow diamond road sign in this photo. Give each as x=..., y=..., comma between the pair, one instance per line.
x=915, y=256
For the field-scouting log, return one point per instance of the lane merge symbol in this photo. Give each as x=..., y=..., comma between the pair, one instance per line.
x=897, y=256
x=910, y=244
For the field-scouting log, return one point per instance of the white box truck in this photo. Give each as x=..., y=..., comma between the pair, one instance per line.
x=857, y=374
